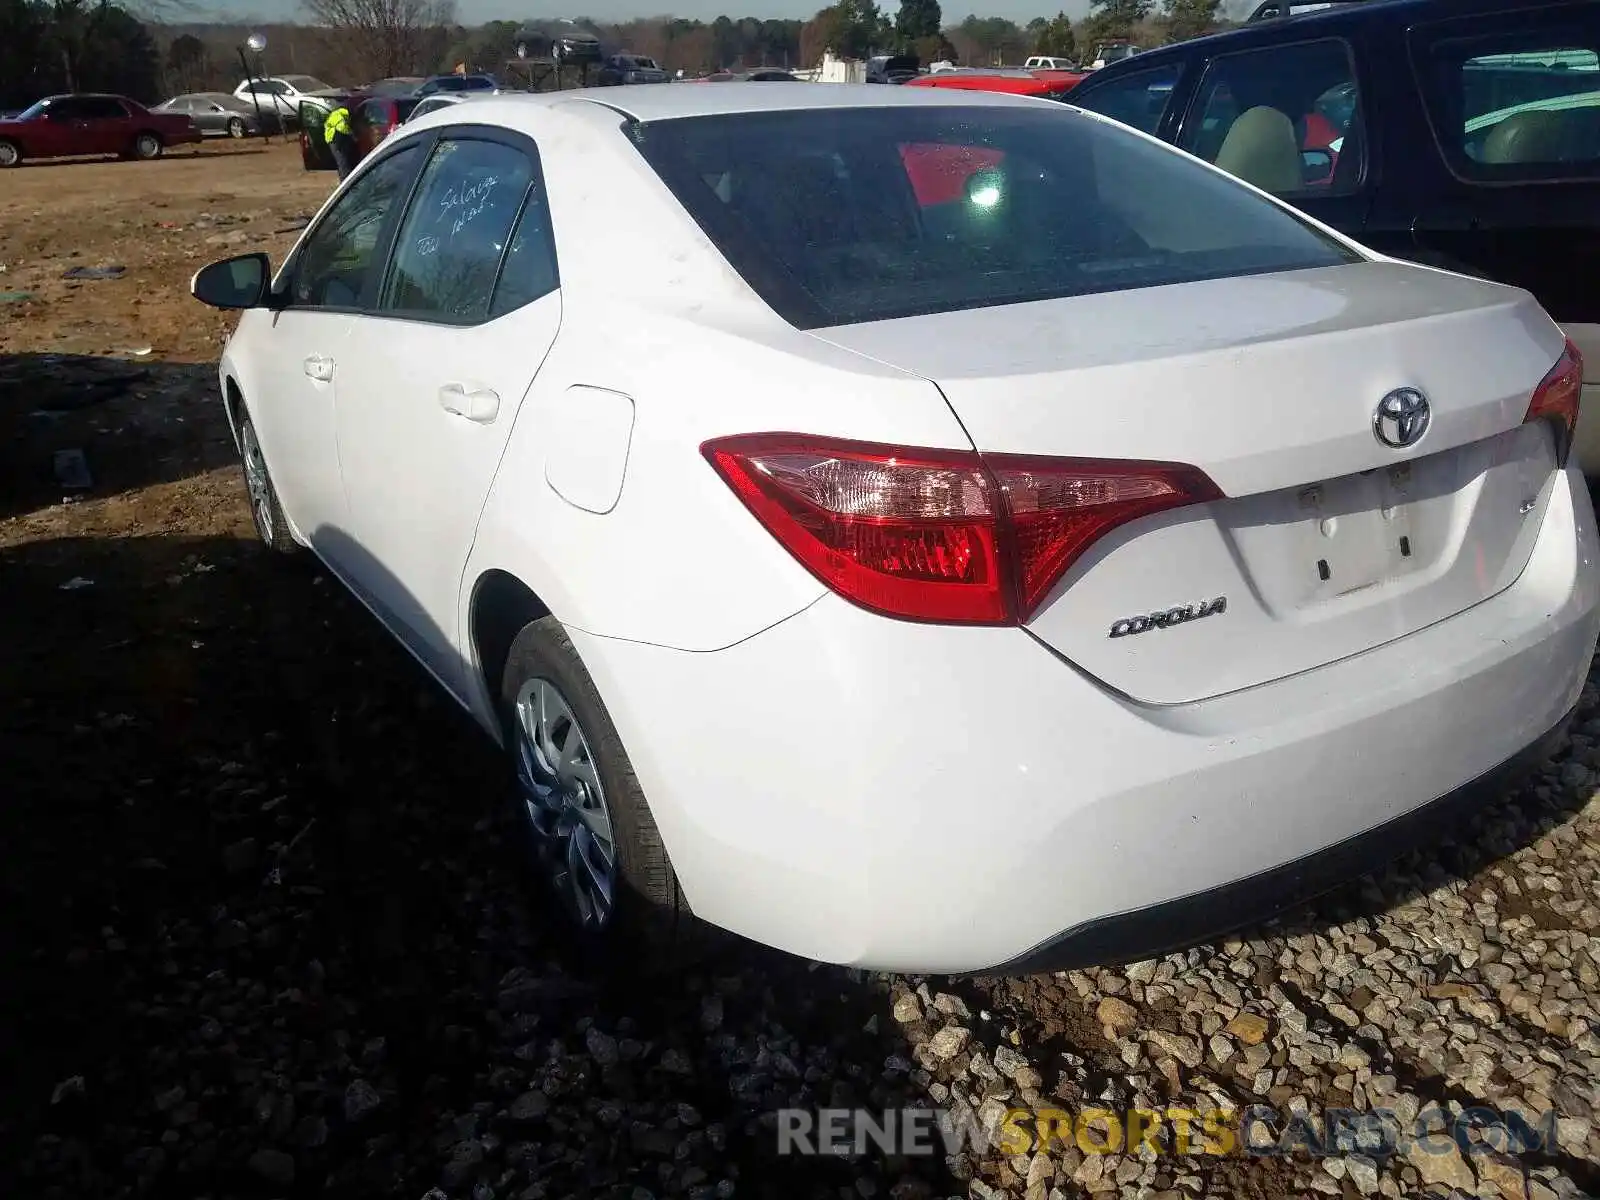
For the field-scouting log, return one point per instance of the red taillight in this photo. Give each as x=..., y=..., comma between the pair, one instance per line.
x=1556, y=399
x=1058, y=508
x=940, y=535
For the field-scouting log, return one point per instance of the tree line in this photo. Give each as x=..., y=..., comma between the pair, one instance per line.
x=50, y=46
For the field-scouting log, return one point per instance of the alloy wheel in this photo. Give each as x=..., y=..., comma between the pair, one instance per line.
x=257, y=482
x=565, y=804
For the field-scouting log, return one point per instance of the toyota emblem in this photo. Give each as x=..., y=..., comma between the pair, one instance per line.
x=1401, y=418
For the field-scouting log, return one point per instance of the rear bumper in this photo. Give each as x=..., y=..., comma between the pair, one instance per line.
x=1188, y=921
x=911, y=797
x=1586, y=445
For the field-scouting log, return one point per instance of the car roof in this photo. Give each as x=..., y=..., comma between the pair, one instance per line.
x=1333, y=21
x=651, y=103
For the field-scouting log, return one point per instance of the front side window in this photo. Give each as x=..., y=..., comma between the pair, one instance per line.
x=1519, y=102
x=842, y=215
x=334, y=265
x=1287, y=118
x=1139, y=98
x=456, y=231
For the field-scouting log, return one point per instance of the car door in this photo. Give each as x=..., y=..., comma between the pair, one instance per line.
x=1291, y=119
x=1513, y=99
x=111, y=125
x=68, y=128
x=372, y=125
x=431, y=381
x=312, y=116
x=295, y=375
x=211, y=117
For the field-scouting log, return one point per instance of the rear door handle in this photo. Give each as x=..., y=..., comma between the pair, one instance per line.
x=475, y=404
x=319, y=367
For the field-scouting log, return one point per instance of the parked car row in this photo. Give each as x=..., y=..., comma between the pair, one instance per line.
x=219, y=114
x=87, y=124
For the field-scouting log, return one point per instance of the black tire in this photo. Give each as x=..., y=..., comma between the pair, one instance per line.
x=235, y=128
x=272, y=527
x=10, y=153
x=651, y=926
x=147, y=146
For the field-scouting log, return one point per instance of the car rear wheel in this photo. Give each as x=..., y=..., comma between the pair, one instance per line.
x=272, y=527
x=235, y=127
x=592, y=842
x=10, y=154
x=147, y=146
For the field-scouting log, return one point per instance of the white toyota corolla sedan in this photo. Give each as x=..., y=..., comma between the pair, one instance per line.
x=920, y=529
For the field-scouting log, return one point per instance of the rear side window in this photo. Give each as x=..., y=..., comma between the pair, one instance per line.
x=1520, y=100
x=447, y=255
x=1139, y=98
x=836, y=216
x=101, y=108
x=1286, y=118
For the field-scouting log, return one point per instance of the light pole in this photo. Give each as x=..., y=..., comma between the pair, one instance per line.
x=256, y=43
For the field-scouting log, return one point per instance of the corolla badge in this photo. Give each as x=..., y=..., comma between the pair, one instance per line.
x=1166, y=619
x=1401, y=418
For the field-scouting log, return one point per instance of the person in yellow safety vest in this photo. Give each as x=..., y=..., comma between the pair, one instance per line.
x=341, y=139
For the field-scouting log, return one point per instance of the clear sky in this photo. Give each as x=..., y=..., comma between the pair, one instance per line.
x=473, y=12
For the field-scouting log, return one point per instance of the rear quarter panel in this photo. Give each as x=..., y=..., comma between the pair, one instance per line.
x=175, y=129
x=678, y=561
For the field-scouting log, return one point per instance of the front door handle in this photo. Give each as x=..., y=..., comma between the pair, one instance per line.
x=475, y=404
x=319, y=367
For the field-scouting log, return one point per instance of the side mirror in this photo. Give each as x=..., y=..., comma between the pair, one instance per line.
x=1316, y=166
x=240, y=282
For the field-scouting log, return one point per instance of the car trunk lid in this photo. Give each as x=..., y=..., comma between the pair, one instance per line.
x=1327, y=542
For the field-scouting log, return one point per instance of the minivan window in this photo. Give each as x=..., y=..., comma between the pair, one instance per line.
x=1285, y=118
x=836, y=216
x=1138, y=98
x=1518, y=103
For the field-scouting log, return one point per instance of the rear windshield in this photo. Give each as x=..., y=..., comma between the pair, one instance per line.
x=835, y=216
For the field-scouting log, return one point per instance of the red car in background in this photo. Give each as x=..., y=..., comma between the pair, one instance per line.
x=377, y=118
x=70, y=126
x=372, y=118
x=1017, y=82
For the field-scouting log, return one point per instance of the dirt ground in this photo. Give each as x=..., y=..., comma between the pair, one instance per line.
x=121, y=368
x=248, y=859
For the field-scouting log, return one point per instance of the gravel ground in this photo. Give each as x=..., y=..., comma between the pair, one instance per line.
x=265, y=932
